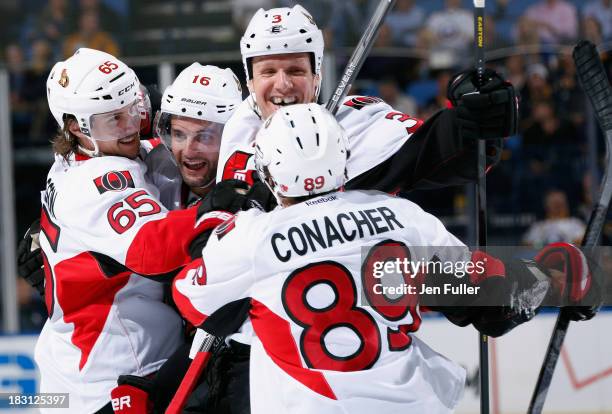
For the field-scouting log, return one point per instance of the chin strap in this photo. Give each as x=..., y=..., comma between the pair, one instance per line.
x=252, y=101
x=96, y=151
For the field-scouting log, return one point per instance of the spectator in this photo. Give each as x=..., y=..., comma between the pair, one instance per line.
x=548, y=130
x=452, y=28
x=389, y=91
x=51, y=25
x=380, y=66
x=600, y=10
x=535, y=90
x=526, y=36
x=515, y=71
x=568, y=96
x=591, y=28
x=20, y=113
x=558, y=226
x=439, y=101
x=348, y=19
x=556, y=20
x=109, y=20
x=90, y=35
x=405, y=21
x=34, y=93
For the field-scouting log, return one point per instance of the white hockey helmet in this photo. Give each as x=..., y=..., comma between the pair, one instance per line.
x=91, y=83
x=301, y=150
x=200, y=92
x=281, y=30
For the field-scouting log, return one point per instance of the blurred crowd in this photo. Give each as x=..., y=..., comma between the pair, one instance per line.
x=545, y=173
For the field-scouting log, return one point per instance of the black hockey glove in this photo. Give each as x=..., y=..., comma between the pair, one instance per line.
x=227, y=195
x=260, y=196
x=29, y=259
x=488, y=114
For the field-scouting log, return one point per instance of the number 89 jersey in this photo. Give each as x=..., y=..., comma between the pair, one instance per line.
x=316, y=347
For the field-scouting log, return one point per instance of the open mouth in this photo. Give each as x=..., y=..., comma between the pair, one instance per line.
x=194, y=165
x=284, y=101
x=128, y=140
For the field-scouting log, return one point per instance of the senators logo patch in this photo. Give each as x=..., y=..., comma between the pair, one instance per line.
x=359, y=102
x=114, y=181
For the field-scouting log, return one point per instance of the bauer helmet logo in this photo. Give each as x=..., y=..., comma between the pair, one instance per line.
x=63, y=80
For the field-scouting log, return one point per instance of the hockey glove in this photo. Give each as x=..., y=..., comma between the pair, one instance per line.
x=131, y=396
x=572, y=279
x=260, y=196
x=488, y=112
x=227, y=195
x=29, y=259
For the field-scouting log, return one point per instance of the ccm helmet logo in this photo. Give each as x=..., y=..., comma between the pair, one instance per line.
x=126, y=89
x=121, y=402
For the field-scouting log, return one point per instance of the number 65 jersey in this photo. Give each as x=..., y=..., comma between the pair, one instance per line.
x=102, y=226
x=316, y=347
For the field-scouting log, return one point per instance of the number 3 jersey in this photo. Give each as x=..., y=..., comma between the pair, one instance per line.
x=101, y=223
x=316, y=347
x=376, y=132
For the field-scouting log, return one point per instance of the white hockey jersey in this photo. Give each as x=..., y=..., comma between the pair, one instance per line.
x=375, y=130
x=315, y=346
x=101, y=223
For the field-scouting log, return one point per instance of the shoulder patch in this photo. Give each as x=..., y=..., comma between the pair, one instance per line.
x=114, y=181
x=358, y=102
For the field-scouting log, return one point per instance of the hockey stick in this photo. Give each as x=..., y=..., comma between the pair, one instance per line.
x=596, y=86
x=200, y=361
x=362, y=50
x=354, y=64
x=481, y=201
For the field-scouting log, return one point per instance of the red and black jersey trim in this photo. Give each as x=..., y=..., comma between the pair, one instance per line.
x=114, y=181
x=359, y=102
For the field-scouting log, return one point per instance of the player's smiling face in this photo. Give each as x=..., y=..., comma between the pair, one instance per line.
x=118, y=132
x=195, y=146
x=280, y=80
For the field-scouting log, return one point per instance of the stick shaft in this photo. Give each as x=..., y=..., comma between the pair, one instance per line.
x=196, y=368
x=481, y=200
x=359, y=55
x=594, y=82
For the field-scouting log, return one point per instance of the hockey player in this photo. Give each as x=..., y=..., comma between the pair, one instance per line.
x=199, y=110
x=102, y=225
x=301, y=270
x=194, y=110
x=282, y=53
